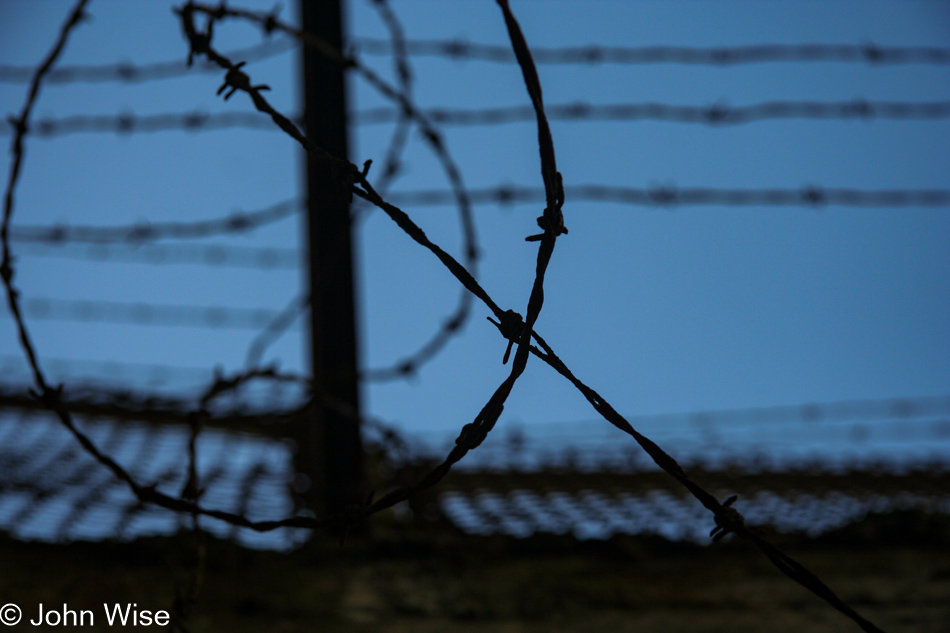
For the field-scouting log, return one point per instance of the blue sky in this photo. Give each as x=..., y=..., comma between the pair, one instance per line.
x=660, y=310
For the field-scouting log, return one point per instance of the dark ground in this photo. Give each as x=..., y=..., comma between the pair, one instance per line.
x=895, y=570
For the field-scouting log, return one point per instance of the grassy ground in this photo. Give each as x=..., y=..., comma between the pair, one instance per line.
x=894, y=570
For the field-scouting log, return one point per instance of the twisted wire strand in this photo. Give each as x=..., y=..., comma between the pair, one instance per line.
x=714, y=115
x=869, y=53
x=459, y=49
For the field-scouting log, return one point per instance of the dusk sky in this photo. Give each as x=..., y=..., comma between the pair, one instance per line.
x=662, y=310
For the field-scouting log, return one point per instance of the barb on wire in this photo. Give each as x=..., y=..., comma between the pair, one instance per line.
x=235, y=223
x=869, y=53
x=131, y=73
x=715, y=114
x=670, y=196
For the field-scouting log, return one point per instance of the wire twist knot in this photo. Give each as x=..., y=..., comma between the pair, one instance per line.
x=511, y=327
x=728, y=519
x=236, y=79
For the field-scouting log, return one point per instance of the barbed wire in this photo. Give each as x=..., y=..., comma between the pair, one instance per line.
x=237, y=222
x=131, y=243
x=813, y=196
x=123, y=402
x=869, y=53
x=517, y=330
x=132, y=73
x=209, y=255
x=151, y=314
x=125, y=242
x=20, y=125
x=460, y=49
x=714, y=115
x=129, y=123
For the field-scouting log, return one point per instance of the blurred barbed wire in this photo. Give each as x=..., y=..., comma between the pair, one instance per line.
x=869, y=53
x=212, y=255
x=674, y=196
x=517, y=330
x=235, y=223
x=715, y=114
x=132, y=242
x=82, y=310
x=461, y=49
x=132, y=73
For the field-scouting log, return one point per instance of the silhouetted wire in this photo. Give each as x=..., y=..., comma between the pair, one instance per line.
x=131, y=73
x=510, y=323
x=20, y=126
x=869, y=53
x=715, y=115
x=668, y=196
x=237, y=80
x=209, y=255
x=53, y=398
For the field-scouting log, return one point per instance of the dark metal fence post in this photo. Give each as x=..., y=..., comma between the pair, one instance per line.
x=330, y=451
